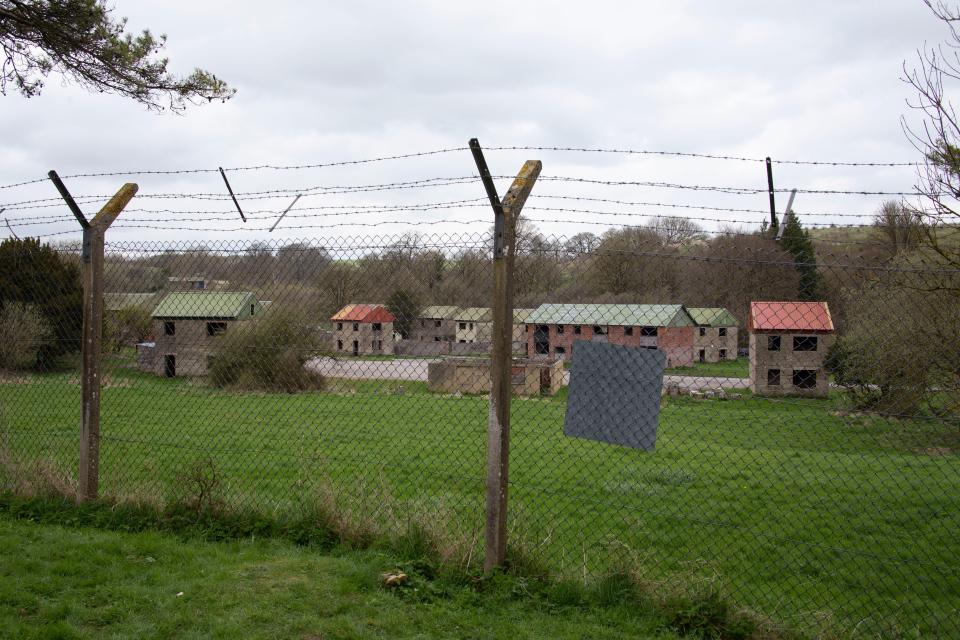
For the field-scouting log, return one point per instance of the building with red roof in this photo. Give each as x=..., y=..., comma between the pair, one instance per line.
x=788, y=344
x=363, y=329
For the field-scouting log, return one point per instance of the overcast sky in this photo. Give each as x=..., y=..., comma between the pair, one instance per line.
x=326, y=82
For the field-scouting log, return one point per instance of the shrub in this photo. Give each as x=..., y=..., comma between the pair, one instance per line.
x=41, y=276
x=267, y=353
x=126, y=327
x=24, y=331
x=901, y=350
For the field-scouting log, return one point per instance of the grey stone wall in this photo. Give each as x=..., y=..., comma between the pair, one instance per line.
x=426, y=330
x=344, y=336
x=712, y=342
x=787, y=361
x=190, y=345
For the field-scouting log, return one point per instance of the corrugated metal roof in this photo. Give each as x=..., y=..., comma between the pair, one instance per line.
x=712, y=316
x=790, y=316
x=440, y=312
x=364, y=313
x=207, y=304
x=520, y=315
x=631, y=315
x=475, y=314
x=118, y=301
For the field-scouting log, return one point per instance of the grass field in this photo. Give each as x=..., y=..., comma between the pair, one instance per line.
x=813, y=517
x=66, y=583
x=739, y=368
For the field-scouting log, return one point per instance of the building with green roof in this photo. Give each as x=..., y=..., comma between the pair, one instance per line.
x=553, y=329
x=187, y=326
x=716, y=337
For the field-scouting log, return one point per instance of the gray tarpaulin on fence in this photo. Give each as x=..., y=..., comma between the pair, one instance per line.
x=615, y=394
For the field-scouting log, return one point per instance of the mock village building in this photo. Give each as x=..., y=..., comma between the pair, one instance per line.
x=363, y=329
x=715, y=338
x=474, y=324
x=788, y=344
x=187, y=325
x=554, y=329
x=435, y=324
x=520, y=327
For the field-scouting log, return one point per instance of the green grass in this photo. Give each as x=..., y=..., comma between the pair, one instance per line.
x=739, y=368
x=811, y=517
x=66, y=583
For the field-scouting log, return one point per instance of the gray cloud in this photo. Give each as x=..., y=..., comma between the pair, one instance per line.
x=321, y=82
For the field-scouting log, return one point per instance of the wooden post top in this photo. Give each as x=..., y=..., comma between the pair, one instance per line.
x=114, y=206
x=522, y=185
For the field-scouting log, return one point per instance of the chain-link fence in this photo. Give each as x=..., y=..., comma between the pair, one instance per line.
x=807, y=422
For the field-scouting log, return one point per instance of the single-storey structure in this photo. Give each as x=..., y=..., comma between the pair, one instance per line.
x=553, y=329
x=435, y=324
x=146, y=353
x=363, y=329
x=474, y=324
x=186, y=327
x=788, y=343
x=715, y=338
x=195, y=283
x=472, y=375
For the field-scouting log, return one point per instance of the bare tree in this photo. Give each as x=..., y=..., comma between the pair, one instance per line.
x=938, y=135
x=898, y=227
x=581, y=243
x=676, y=230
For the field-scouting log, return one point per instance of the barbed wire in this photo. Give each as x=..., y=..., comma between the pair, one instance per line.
x=224, y=216
x=722, y=189
x=451, y=221
x=420, y=154
x=314, y=190
x=260, y=167
x=671, y=205
x=413, y=206
x=269, y=193
x=706, y=156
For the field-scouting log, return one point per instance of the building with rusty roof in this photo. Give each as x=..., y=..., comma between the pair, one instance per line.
x=788, y=344
x=363, y=329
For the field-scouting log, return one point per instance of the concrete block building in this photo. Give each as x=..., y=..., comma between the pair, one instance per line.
x=187, y=325
x=474, y=324
x=363, y=329
x=788, y=344
x=195, y=283
x=554, y=329
x=520, y=326
x=472, y=375
x=435, y=324
x=715, y=338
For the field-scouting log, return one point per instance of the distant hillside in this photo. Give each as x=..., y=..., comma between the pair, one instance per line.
x=862, y=233
x=868, y=234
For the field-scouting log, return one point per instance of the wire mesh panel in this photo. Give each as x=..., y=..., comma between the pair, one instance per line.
x=805, y=461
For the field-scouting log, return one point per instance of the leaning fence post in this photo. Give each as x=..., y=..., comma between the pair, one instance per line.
x=92, y=341
x=506, y=215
